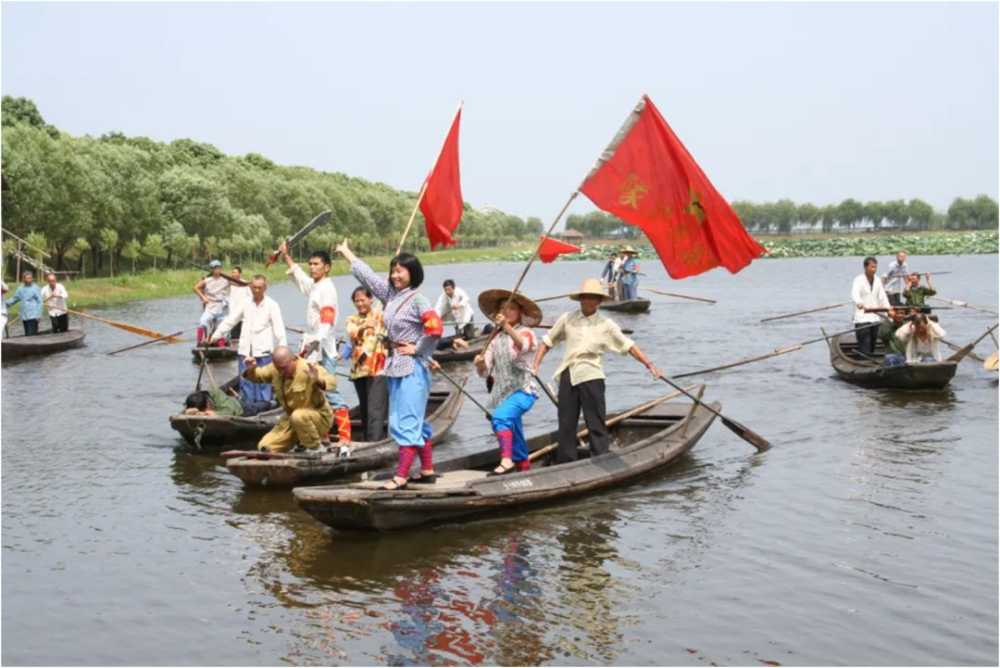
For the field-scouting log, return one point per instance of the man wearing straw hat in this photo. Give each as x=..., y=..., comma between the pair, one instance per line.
x=587, y=334
x=628, y=284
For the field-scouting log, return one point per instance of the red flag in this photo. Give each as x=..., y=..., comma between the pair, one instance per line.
x=442, y=203
x=652, y=182
x=552, y=248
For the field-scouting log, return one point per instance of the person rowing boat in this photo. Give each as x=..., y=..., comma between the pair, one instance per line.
x=867, y=292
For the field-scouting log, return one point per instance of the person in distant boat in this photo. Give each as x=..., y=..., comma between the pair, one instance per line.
x=895, y=350
x=320, y=344
x=217, y=402
x=3, y=303
x=238, y=295
x=367, y=338
x=301, y=388
x=213, y=290
x=921, y=336
x=587, y=335
x=628, y=283
x=54, y=297
x=916, y=295
x=610, y=275
x=867, y=293
x=509, y=361
x=454, y=308
x=894, y=279
x=414, y=328
x=265, y=332
x=30, y=298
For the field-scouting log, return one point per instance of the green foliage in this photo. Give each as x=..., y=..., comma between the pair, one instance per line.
x=154, y=248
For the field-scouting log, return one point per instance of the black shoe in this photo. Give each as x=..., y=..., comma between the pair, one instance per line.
x=504, y=471
x=299, y=449
x=425, y=479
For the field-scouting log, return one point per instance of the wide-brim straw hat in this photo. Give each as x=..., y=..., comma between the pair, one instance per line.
x=629, y=249
x=490, y=303
x=591, y=286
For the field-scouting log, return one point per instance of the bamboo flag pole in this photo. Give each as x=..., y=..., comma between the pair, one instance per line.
x=423, y=189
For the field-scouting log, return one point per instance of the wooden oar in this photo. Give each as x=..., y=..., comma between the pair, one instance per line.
x=747, y=434
x=815, y=310
x=957, y=357
x=993, y=362
x=612, y=422
x=142, y=331
x=461, y=388
x=548, y=299
x=295, y=329
x=678, y=295
x=146, y=343
x=956, y=347
x=201, y=371
x=955, y=302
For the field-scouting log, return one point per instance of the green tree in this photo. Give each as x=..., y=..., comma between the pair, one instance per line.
x=108, y=241
x=154, y=248
x=534, y=226
x=920, y=212
x=850, y=212
x=984, y=213
x=960, y=214
x=23, y=110
x=131, y=251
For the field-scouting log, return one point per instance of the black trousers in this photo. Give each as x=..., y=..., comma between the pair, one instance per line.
x=895, y=298
x=865, y=333
x=234, y=333
x=589, y=397
x=30, y=327
x=373, y=407
x=60, y=323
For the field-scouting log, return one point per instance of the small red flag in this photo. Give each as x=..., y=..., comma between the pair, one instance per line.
x=552, y=248
x=442, y=203
x=651, y=181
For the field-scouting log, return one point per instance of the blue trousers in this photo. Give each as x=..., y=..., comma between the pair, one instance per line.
x=334, y=397
x=209, y=321
x=508, y=416
x=408, y=406
x=254, y=392
x=628, y=291
x=893, y=359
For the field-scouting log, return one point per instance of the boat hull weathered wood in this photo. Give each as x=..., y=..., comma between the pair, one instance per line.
x=871, y=372
x=215, y=353
x=43, y=344
x=442, y=409
x=643, y=444
x=630, y=306
x=476, y=346
x=227, y=430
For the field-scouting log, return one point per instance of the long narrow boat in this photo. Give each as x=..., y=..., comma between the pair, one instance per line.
x=289, y=470
x=641, y=444
x=629, y=306
x=42, y=344
x=476, y=346
x=870, y=371
x=228, y=430
x=215, y=353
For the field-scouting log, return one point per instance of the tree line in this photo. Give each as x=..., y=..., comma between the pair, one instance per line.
x=116, y=201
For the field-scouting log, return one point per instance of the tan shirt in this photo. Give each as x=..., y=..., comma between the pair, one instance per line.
x=586, y=337
x=299, y=391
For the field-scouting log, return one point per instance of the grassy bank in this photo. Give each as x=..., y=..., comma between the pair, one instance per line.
x=88, y=292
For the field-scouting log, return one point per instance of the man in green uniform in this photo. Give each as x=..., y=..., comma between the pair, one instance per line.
x=895, y=350
x=916, y=295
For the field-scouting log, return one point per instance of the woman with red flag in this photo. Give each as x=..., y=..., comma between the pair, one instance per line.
x=413, y=328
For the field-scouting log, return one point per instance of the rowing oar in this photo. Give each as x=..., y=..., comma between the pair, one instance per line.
x=815, y=310
x=956, y=347
x=548, y=299
x=678, y=295
x=957, y=357
x=201, y=371
x=299, y=236
x=747, y=434
x=906, y=307
x=146, y=343
x=142, y=331
x=955, y=302
x=461, y=388
x=612, y=422
x=204, y=270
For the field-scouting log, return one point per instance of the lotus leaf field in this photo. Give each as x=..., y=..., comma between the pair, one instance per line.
x=966, y=243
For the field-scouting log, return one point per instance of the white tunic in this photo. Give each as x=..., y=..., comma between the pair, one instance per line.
x=872, y=295
x=915, y=347
x=321, y=312
x=263, y=327
x=238, y=296
x=461, y=315
x=57, y=306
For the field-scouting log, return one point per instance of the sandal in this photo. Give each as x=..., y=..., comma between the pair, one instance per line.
x=393, y=485
x=424, y=479
x=503, y=470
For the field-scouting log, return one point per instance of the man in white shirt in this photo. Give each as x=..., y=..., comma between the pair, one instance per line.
x=54, y=297
x=454, y=307
x=265, y=332
x=238, y=295
x=867, y=292
x=894, y=280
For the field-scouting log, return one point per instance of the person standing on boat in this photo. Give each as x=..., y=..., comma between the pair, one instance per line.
x=414, y=328
x=320, y=344
x=238, y=296
x=213, y=290
x=31, y=303
x=302, y=388
x=895, y=350
x=628, y=283
x=894, y=280
x=867, y=292
x=367, y=336
x=54, y=297
x=610, y=275
x=587, y=335
x=454, y=307
x=916, y=295
x=265, y=332
x=921, y=336
x=509, y=361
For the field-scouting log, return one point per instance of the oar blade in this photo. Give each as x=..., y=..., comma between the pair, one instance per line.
x=748, y=435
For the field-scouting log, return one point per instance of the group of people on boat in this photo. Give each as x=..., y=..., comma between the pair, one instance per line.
x=52, y=297
x=908, y=330
x=621, y=275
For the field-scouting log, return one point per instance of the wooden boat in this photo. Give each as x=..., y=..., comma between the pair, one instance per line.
x=42, y=344
x=641, y=444
x=215, y=353
x=289, y=470
x=629, y=306
x=870, y=371
x=215, y=430
x=476, y=346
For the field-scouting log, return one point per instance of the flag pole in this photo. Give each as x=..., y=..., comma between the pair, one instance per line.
x=423, y=190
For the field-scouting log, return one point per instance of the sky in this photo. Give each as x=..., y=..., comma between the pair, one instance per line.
x=814, y=102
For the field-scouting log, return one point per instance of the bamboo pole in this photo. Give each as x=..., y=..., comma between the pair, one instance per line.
x=678, y=295
x=146, y=343
x=128, y=328
x=955, y=302
x=25, y=243
x=815, y=310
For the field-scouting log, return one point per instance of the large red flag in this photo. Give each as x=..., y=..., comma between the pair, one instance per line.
x=442, y=202
x=552, y=248
x=647, y=178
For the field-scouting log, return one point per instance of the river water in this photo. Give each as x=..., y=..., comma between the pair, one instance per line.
x=867, y=535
